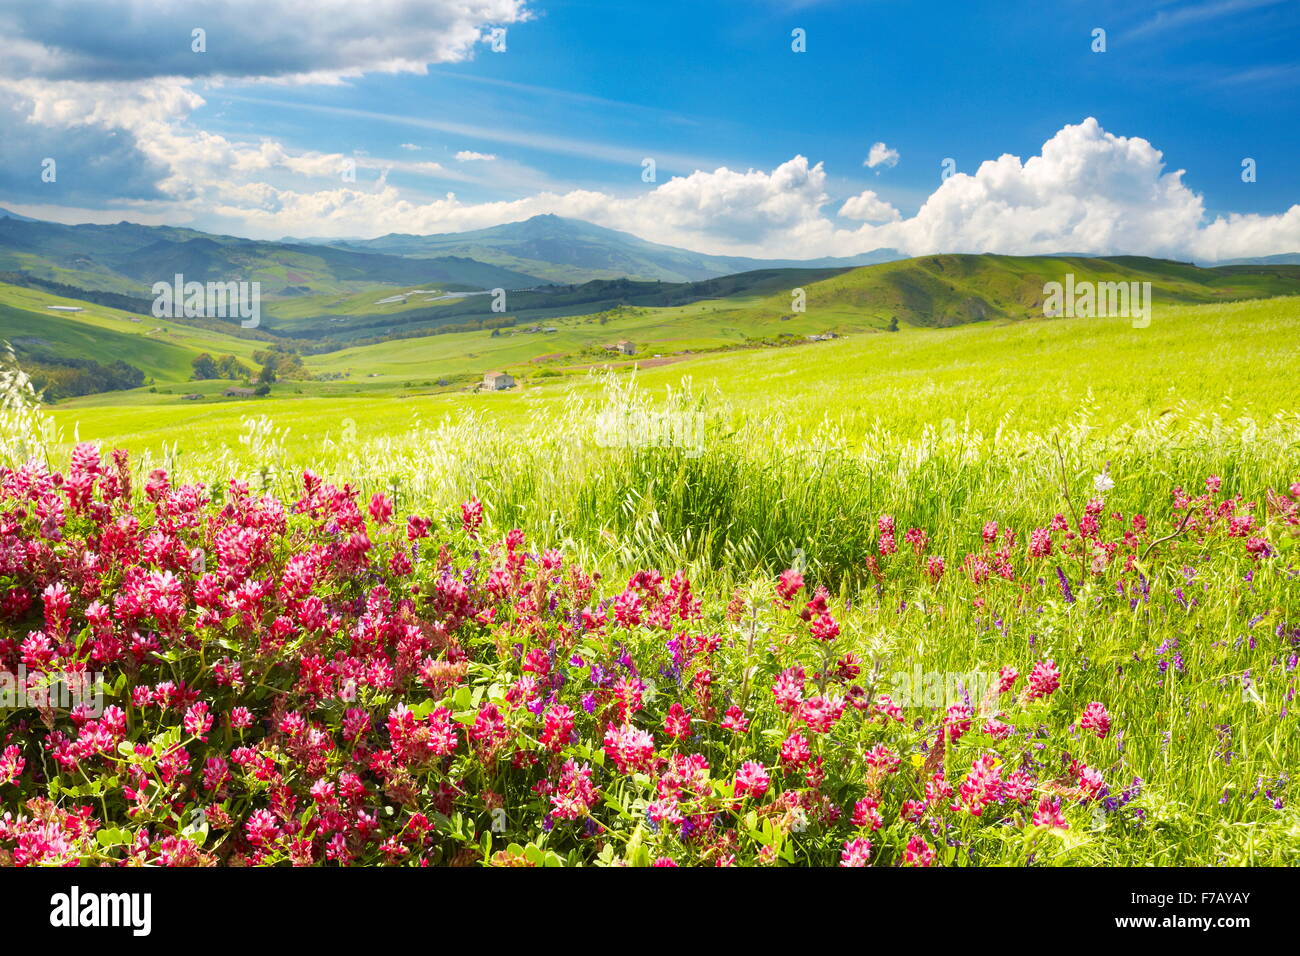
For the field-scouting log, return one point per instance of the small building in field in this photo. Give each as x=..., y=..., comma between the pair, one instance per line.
x=191, y=397
x=498, y=381
x=236, y=392
x=626, y=347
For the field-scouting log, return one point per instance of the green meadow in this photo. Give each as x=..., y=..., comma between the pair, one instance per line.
x=1016, y=376
x=733, y=465
x=800, y=443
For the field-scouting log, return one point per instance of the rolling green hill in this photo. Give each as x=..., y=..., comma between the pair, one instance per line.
x=431, y=339
x=128, y=258
x=352, y=319
x=947, y=290
x=933, y=291
x=162, y=349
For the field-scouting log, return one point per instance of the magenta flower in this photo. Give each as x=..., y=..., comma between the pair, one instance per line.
x=856, y=852
x=1095, y=719
x=752, y=779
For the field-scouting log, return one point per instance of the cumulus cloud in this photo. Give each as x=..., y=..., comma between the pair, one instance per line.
x=284, y=39
x=881, y=155
x=723, y=210
x=1088, y=191
x=89, y=161
x=869, y=207
x=466, y=156
x=107, y=90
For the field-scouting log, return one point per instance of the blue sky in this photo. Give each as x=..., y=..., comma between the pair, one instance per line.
x=250, y=136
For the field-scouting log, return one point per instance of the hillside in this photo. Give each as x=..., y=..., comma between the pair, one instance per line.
x=928, y=291
x=382, y=340
x=128, y=258
x=362, y=317
x=947, y=290
x=161, y=350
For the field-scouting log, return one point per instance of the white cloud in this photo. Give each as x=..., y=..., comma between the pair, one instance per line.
x=869, y=207
x=881, y=155
x=466, y=156
x=1088, y=191
x=287, y=39
x=1244, y=236
x=411, y=146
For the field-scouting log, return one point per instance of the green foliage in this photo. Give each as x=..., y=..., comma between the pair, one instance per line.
x=204, y=367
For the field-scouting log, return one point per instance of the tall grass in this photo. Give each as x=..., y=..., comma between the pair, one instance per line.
x=764, y=487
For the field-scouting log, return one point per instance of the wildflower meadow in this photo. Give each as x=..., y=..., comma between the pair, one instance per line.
x=285, y=667
x=769, y=435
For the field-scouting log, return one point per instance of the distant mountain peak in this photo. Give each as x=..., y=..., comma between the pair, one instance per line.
x=6, y=214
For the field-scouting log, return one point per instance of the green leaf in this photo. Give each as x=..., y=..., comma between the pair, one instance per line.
x=114, y=837
x=424, y=708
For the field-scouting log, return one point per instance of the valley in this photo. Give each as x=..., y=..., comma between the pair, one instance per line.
x=433, y=337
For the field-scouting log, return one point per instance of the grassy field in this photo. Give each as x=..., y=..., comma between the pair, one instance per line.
x=799, y=442
x=732, y=466
x=1013, y=377
x=750, y=311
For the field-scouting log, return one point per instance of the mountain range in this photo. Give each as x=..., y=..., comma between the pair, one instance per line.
x=568, y=251
x=127, y=258
x=544, y=250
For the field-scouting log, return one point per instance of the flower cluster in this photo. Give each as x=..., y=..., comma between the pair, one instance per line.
x=320, y=681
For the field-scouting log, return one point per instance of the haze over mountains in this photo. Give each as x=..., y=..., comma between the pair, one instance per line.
x=127, y=258
x=571, y=250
